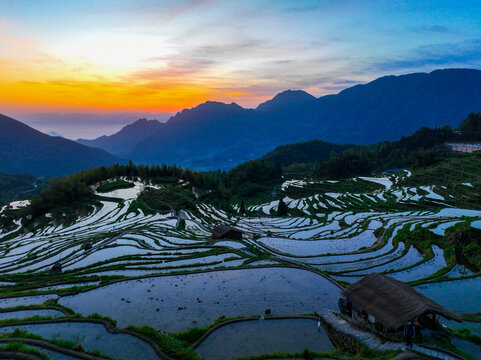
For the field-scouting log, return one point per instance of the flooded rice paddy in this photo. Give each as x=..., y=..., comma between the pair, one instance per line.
x=176, y=303
x=193, y=280
x=92, y=337
x=468, y=347
x=460, y=296
x=26, y=300
x=20, y=314
x=249, y=338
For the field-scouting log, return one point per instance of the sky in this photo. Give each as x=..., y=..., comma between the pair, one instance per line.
x=158, y=57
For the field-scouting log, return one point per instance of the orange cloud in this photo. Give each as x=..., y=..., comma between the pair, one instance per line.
x=31, y=78
x=100, y=95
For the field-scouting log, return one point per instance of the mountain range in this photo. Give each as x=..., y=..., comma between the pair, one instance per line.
x=26, y=150
x=123, y=142
x=215, y=135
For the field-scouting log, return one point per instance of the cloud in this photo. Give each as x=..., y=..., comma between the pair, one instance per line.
x=172, y=67
x=156, y=12
x=437, y=29
x=301, y=8
x=464, y=53
x=181, y=8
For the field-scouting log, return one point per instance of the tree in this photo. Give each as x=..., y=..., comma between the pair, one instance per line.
x=282, y=208
x=242, y=208
x=470, y=129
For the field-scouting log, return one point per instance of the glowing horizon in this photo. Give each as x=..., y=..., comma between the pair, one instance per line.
x=154, y=56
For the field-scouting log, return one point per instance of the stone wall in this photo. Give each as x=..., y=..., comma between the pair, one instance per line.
x=342, y=340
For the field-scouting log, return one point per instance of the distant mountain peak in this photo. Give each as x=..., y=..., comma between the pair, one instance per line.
x=209, y=107
x=54, y=133
x=217, y=104
x=285, y=99
x=216, y=135
x=141, y=123
x=124, y=140
x=26, y=150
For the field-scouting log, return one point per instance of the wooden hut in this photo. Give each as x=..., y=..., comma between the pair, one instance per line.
x=226, y=232
x=383, y=304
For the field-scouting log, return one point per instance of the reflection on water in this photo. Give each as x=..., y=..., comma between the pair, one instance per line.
x=176, y=303
x=248, y=338
x=92, y=337
x=453, y=295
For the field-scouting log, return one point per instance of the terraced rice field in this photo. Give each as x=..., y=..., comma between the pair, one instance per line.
x=288, y=335
x=143, y=269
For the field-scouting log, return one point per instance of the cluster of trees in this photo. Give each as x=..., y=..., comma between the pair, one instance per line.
x=114, y=185
x=150, y=174
x=308, y=152
x=75, y=189
x=170, y=198
x=470, y=129
x=20, y=185
x=257, y=178
x=245, y=181
x=252, y=177
x=423, y=148
x=62, y=193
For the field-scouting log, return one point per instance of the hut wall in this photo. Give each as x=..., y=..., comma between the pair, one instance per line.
x=361, y=319
x=232, y=234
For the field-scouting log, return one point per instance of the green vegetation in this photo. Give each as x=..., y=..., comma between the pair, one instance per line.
x=21, y=185
x=114, y=185
x=30, y=318
x=467, y=245
x=253, y=177
x=282, y=208
x=332, y=161
x=192, y=335
x=60, y=196
x=169, y=344
x=19, y=347
x=170, y=198
x=423, y=148
x=249, y=180
x=357, y=186
x=97, y=316
x=18, y=333
x=463, y=168
x=421, y=238
x=470, y=129
x=465, y=333
x=308, y=152
x=305, y=354
x=365, y=353
x=258, y=180
x=74, y=191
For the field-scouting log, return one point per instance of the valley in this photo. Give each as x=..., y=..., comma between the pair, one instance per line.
x=124, y=266
x=240, y=180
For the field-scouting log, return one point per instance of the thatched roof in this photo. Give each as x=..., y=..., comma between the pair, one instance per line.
x=221, y=230
x=390, y=301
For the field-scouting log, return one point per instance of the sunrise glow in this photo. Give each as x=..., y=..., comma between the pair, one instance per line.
x=107, y=56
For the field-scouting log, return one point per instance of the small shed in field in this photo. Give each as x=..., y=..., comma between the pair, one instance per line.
x=383, y=304
x=226, y=232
